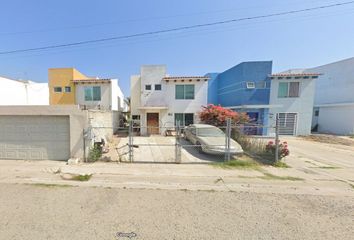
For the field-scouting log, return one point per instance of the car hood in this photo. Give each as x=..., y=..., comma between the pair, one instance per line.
x=219, y=142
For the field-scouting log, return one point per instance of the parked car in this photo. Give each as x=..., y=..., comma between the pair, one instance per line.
x=210, y=139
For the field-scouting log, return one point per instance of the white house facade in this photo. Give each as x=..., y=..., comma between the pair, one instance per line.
x=159, y=101
x=21, y=92
x=292, y=97
x=334, y=98
x=97, y=93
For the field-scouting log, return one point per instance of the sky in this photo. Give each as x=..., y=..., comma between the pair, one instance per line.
x=294, y=41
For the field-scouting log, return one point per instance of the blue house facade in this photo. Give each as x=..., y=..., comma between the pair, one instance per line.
x=243, y=88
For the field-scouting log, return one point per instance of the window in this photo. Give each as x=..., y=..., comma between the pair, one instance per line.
x=261, y=84
x=250, y=85
x=57, y=89
x=288, y=89
x=67, y=89
x=158, y=87
x=148, y=87
x=184, y=119
x=317, y=112
x=185, y=91
x=136, y=117
x=93, y=93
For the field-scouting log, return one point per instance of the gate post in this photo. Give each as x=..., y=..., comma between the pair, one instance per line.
x=177, y=143
x=130, y=140
x=227, y=140
x=277, y=138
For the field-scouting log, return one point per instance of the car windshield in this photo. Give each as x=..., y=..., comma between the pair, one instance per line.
x=210, y=132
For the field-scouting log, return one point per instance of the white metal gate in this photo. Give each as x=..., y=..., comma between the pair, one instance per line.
x=287, y=123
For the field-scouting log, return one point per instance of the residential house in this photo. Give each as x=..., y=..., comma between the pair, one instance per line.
x=159, y=101
x=292, y=96
x=250, y=87
x=101, y=97
x=23, y=92
x=334, y=98
x=244, y=88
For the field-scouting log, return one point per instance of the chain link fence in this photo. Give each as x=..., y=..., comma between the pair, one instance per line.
x=197, y=143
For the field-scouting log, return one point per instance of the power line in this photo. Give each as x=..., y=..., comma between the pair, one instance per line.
x=175, y=29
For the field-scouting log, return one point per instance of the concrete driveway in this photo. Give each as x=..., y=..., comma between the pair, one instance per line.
x=161, y=149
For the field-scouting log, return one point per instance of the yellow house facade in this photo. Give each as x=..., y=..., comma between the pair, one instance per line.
x=61, y=86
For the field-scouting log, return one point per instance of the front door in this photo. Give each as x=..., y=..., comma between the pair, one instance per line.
x=152, y=123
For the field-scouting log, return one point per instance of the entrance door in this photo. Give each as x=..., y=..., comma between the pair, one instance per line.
x=287, y=123
x=152, y=123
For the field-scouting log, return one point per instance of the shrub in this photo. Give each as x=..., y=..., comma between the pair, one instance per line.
x=283, y=149
x=95, y=153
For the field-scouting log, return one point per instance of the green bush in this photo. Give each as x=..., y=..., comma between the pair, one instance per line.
x=95, y=153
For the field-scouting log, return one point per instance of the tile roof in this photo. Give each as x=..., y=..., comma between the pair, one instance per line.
x=92, y=80
x=187, y=78
x=294, y=74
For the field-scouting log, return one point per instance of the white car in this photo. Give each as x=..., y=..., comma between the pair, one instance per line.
x=210, y=139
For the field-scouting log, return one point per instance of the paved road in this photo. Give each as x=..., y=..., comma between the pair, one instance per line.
x=38, y=212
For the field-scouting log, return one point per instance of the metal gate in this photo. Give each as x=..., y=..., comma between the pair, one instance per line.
x=287, y=123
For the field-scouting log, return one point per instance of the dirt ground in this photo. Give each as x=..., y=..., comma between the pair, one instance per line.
x=42, y=212
x=313, y=199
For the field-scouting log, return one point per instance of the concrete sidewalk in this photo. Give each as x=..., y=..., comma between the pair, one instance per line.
x=174, y=176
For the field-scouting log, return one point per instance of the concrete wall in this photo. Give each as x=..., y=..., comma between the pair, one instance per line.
x=106, y=96
x=78, y=121
x=14, y=92
x=334, y=89
x=231, y=85
x=302, y=105
x=336, y=120
x=135, y=94
x=102, y=124
x=336, y=83
x=151, y=75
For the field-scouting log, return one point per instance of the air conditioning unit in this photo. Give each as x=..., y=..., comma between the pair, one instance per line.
x=250, y=85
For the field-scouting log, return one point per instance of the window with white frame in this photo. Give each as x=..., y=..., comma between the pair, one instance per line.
x=288, y=89
x=93, y=93
x=250, y=85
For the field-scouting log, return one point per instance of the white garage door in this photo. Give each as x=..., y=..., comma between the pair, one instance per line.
x=34, y=137
x=287, y=123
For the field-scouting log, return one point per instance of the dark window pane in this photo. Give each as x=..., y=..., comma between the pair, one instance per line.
x=188, y=119
x=147, y=87
x=57, y=89
x=189, y=91
x=179, y=118
x=179, y=91
x=294, y=89
x=96, y=93
x=157, y=87
x=88, y=93
x=283, y=90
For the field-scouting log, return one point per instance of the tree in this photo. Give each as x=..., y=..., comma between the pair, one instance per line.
x=217, y=115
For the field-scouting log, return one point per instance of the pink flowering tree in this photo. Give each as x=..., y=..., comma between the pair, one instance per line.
x=217, y=115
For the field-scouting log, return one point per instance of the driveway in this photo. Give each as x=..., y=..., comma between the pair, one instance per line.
x=161, y=149
x=332, y=160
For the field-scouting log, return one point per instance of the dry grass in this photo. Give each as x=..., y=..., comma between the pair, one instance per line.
x=331, y=139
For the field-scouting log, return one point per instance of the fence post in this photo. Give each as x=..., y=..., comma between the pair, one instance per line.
x=277, y=138
x=227, y=140
x=130, y=140
x=177, y=143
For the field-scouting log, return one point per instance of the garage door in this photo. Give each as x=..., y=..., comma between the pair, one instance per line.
x=34, y=137
x=287, y=123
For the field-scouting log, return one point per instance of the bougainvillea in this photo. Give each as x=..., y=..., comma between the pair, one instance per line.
x=283, y=149
x=217, y=115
